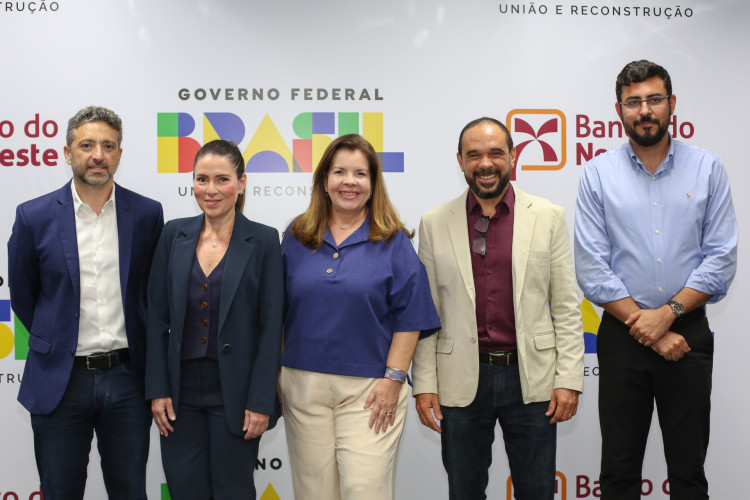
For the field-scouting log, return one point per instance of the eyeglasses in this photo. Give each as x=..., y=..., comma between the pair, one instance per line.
x=479, y=245
x=656, y=101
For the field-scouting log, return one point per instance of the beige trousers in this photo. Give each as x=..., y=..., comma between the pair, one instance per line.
x=333, y=453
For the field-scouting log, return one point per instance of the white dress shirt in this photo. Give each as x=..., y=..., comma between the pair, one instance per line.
x=101, y=326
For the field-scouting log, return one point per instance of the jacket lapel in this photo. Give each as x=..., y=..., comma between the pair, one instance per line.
x=458, y=230
x=124, y=236
x=241, y=248
x=524, y=219
x=183, y=256
x=66, y=224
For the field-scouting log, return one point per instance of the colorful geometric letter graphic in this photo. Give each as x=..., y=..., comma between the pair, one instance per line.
x=267, y=150
x=9, y=340
x=591, y=322
x=175, y=151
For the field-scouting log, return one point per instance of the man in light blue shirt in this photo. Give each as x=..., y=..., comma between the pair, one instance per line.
x=655, y=240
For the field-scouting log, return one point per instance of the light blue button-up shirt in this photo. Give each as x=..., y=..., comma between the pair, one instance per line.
x=647, y=236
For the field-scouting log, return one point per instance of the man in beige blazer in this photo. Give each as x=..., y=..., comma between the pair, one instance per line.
x=511, y=345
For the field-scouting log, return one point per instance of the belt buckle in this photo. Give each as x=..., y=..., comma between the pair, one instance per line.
x=504, y=356
x=96, y=357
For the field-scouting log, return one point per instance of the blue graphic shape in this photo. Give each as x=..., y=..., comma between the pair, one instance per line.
x=4, y=310
x=589, y=341
x=267, y=161
x=324, y=123
x=228, y=126
x=185, y=124
x=392, y=162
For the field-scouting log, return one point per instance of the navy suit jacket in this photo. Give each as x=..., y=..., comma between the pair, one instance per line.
x=250, y=316
x=45, y=288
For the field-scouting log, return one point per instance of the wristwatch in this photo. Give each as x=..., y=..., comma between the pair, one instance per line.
x=677, y=307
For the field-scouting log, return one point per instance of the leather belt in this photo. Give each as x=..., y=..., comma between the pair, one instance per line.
x=104, y=360
x=499, y=358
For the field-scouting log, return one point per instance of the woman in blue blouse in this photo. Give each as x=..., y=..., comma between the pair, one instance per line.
x=215, y=307
x=357, y=302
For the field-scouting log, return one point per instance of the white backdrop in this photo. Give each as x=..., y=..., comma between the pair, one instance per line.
x=423, y=68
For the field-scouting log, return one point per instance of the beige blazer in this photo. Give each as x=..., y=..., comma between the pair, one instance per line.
x=549, y=332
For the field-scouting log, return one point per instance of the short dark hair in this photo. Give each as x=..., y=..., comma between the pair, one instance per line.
x=94, y=114
x=230, y=151
x=639, y=71
x=479, y=121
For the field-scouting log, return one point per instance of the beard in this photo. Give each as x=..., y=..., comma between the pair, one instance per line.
x=649, y=138
x=487, y=193
x=99, y=179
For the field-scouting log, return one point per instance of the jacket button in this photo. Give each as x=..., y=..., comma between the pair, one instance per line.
x=226, y=348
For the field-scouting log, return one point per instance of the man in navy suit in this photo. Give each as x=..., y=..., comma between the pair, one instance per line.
x=78, y=265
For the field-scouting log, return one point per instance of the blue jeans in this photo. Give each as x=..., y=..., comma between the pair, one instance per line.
x=111, y=403
x=468, y=434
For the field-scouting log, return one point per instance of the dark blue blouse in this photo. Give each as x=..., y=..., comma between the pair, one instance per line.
x=345, y=302
x=199, y=340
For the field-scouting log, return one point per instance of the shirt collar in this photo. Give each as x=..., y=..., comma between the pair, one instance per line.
x=666, y=164
x=78, y=203
x=362, y=233
x=508, y=200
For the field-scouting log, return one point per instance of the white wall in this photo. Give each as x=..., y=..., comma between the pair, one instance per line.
x=435, y=66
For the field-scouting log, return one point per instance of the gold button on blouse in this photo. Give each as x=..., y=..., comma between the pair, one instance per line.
x=329, y=270
x=204, y=322
x=204, y=340
x=336, y=255
x=204, y=286
x=204, y=305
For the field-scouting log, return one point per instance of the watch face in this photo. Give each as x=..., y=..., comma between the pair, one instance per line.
x=677, y=308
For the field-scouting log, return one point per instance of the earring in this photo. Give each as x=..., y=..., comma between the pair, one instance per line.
x=242, y=193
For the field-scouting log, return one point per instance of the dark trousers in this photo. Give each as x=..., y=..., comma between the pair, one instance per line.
x=202, y=458
x=631, y=378
x=468, y=434
x=110, y=403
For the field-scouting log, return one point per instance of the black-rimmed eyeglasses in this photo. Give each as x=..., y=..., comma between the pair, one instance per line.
x=479, y=245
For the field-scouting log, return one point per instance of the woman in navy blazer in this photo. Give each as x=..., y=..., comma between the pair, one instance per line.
x=215, y=305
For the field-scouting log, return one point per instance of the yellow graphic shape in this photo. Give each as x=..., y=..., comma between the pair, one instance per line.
x=270, y=493
x=167, y=158
x=319, y=144
x=209, y=133
x=6, y=341
x=268, y=138
x=591, y=320
x=372, y=130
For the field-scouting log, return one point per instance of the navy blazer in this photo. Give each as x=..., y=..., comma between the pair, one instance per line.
x=45, y=287
x=250, y=316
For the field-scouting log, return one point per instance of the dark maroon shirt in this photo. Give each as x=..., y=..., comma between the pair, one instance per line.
x=493, y=275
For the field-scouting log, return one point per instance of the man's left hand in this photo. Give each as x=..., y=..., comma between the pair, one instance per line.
x=563, y=405
x=647, y=326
